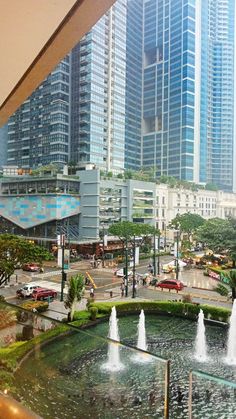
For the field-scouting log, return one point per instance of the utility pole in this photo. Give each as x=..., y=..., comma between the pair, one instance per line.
x=154, y=256
x=158, y=255
x=63, y=273
x=133, y=288
x=177, y=255
x=126, y=267
x=103, y=246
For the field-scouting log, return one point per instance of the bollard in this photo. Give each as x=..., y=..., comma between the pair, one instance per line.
x=111, y=294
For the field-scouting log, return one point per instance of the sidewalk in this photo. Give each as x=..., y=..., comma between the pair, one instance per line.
x=58, y=311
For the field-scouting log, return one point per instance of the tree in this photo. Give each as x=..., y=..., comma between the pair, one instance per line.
x=53, y=168
x=219, y=236
x=232, y=244
x=187, y=223
x=72, y=167
x=224, y=290
x=75, y=294
x=126, y=230
x=211, y=187
x=16, y=251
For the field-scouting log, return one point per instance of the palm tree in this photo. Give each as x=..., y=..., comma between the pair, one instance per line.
x=75, y=293
x=224, y=290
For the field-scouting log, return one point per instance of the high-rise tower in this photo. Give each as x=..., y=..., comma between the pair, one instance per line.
x=98, y=93
x=133, y=91
x=38, y=132
x=188, y=89
x=217, y=92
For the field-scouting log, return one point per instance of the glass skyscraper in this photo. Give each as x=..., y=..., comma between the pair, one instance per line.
x=217, y=92
x=188, y=89
x=152, y=84
x=98, y=93
x=38, y=132
x=133, y=92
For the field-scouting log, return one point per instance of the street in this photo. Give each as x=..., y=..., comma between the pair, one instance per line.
x=198, y=286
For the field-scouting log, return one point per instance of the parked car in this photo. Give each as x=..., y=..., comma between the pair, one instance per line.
x=170, y=284
x=26, y=290
x=31, y=267
x=43, y=293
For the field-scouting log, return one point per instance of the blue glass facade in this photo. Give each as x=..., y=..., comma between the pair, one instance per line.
x=168, y=93
x=219, y=135
x=133, y=93
x=188, y=85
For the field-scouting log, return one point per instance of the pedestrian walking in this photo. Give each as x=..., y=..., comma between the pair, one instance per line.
x=122, y=288
x=91, y=292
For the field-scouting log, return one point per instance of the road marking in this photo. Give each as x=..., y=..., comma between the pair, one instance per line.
x=50, y=285
x=52, y=273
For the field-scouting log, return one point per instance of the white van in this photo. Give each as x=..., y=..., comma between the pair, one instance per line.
x=26, y=290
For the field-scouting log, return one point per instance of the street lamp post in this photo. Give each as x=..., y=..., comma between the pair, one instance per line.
x=165, y=240
x=103, y=246
x=158, y=255
x=177, y=255
x=154, y=256
x=133, y=288
x=126, y=267
x=63, y=273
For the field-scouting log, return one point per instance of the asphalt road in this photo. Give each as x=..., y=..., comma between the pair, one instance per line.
x=197, y=285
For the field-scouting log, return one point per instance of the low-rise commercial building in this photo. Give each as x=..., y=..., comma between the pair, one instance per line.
x=84, y=206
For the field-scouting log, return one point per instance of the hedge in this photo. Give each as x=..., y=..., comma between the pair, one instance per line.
x=40, y=306
x=166, y=307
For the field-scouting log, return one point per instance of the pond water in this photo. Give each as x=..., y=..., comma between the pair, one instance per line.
x=65, y=378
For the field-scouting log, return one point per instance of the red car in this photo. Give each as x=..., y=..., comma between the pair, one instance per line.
x=170, y=284
x=43, y=293
x=32, y=267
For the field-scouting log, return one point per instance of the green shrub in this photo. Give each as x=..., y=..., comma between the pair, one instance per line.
x=83, y=314
x=93, y=313
x=169, y=307
x=40, y=306
x=216, y=313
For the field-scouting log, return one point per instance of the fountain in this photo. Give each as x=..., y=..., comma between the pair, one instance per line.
x=200, y=342
x=113, y=363
x=231, y=345
x=142, y=332
x=142, y=343
x=75, y=362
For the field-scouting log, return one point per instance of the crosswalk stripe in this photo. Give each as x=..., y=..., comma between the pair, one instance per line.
x=50, y=285
x=52, y=273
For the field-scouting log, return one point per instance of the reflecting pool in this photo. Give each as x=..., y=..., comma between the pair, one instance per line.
x=64, y=379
